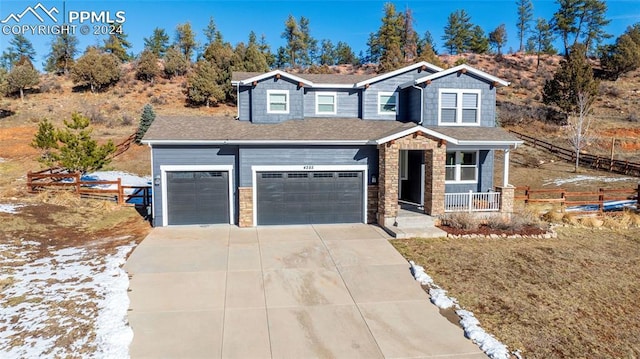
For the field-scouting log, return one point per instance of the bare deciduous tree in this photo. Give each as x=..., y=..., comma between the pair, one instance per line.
x=579, y=126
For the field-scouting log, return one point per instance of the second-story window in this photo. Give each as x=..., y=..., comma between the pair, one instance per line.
x=459, y=107
x=277, y=101
x=387, y=103
x=326, y=103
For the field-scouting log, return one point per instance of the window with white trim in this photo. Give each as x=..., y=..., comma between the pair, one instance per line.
x=461, y=167
x=387, y=103
x=277, y=101
x=459, y=107
x=326, y=103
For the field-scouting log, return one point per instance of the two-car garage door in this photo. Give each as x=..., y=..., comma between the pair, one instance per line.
x=309, y=197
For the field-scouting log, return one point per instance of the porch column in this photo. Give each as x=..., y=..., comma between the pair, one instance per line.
x=507, y=198
x=434, y=186
x=505, y=172
x=388, y=182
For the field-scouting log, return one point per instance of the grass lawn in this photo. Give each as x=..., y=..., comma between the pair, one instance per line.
x=571, y=297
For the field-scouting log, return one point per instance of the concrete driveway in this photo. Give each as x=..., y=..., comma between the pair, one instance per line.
x=328, y=291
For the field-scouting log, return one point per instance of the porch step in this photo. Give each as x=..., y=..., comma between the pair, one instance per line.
x=415, y=232
x=413, y=224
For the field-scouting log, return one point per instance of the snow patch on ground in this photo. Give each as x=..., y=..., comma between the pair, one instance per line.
x=487, y=343
x=127, y=179
x=10, y=208
x=585, y=178
x=71, y=290
x=2, y=160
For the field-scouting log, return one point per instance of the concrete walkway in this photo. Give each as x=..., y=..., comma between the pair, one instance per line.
x=330, y=291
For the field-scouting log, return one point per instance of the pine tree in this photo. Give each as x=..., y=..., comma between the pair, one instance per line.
x=457, y=32
x=294, y=39
x=22, y=47
x=147, y=68
x=327, y=53
x=309, y=51
x=525, y=15
x=390, y=39
x=202, y=85
x=253, y=59
x=409, y=37
x=64, y=49
x=77, y=150
x=96, y=69
x=211, y=32
x=45, y=140
x=186, y=40
x=542, y=40
x=498, y=37
x=374, y=50
x=146, y=119
x=22, y=76
x=584, y=20
x=479, y=43
x=158, y=43
x=4, y=87
x=624, y=55
x=575, y=76
x=344, y=54
x=265, y=50
x=117, y=44
x=175, y=64
x=281, y=58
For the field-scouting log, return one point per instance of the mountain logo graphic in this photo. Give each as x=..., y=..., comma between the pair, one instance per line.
x=39, y=12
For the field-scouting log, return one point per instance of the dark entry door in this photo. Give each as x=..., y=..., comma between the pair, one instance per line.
x=198, y=197
x=309, y=197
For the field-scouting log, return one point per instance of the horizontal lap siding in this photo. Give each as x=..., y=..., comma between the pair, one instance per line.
x=464, y=81
x=316, y=155
x=259, y=101
x=485, y=177
x=348, y=102
x=244, y=103
x=187, y=156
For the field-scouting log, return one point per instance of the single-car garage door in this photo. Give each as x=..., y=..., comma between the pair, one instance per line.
x=309, y=197
x=200, y=197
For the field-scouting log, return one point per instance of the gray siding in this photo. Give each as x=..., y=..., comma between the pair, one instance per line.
x=312, y=155
x=259, y=101
x=370, y=95
x=485, y=177
x=348, y=102
x=190, y=155
x=464, y=81
x=244, y=103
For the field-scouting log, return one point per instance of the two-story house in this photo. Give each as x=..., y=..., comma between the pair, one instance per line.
x=335, y=149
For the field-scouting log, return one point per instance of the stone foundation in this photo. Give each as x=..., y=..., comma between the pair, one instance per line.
x=372, y=203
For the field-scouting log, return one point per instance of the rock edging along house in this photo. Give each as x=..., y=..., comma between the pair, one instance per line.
x=335, y=149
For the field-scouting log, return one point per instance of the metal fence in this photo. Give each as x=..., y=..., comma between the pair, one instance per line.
x=472, y=202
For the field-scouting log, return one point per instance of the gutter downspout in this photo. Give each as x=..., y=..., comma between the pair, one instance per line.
x=421, y=103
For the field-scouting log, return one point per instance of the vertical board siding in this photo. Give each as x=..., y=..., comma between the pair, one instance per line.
x=463, y=81
x=259, y=101
x=313, y=155
x=485, y=176
x=190, y=155
x=348, y=101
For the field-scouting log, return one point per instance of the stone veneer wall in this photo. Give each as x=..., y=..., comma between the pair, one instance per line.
x=435, y=158
x=372, y=203
x=246, y=206
x=507, y=198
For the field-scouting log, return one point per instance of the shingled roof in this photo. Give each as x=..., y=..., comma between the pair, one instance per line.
x=340, y=79
x=176, y=129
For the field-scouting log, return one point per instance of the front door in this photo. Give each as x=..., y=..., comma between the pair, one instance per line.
x=411, y=177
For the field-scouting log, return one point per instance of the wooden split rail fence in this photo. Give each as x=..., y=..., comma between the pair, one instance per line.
x=587, y=160
x=564, y=198
x=57, y=178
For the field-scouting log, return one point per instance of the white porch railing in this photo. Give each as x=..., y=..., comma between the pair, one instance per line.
x=472, y=202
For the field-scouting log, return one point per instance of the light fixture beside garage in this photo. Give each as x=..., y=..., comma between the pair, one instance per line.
x=156, y=180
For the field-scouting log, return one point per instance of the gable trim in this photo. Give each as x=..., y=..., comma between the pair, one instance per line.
x=464, y=68
x=250, y=81
x=398, y=72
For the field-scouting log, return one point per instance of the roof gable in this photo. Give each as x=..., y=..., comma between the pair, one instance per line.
x=463, y=69
x=397, y=72
x=274, y=73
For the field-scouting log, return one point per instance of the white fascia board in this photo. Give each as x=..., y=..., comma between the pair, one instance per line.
x=258, y=142
x=468, y=68
x=412, y=130
x=333, y=86
x=270, y=74
x=398, y=72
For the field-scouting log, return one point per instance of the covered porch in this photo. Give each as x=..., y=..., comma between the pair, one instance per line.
x=440, y=170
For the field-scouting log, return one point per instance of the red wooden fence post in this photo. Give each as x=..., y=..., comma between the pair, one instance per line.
x=120, y=192
x=76, y=178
